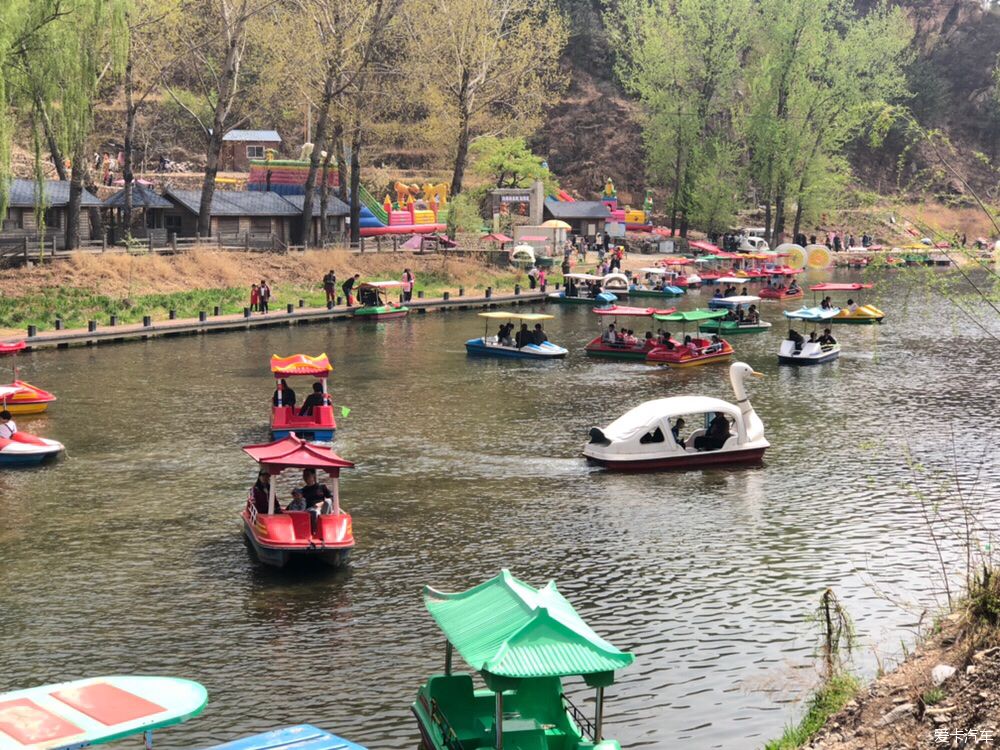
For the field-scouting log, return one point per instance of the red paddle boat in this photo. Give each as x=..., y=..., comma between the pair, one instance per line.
x=780, y=292
x=287, y=417
x=602, y=346
x=11, y=347
x=277, y=536
x=24, y=398
x=693, y=352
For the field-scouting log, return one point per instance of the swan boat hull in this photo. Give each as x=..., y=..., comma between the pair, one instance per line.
x=684, y=461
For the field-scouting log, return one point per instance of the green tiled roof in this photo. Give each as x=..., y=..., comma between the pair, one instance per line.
x=508, y=628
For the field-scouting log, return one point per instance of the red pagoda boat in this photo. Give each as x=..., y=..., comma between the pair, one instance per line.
x=323, y=533
x=287, y=418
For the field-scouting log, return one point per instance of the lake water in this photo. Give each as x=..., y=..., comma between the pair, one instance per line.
x=127, y=556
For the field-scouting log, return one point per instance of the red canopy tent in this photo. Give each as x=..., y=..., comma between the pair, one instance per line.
x=706, y=246
x=500, y=239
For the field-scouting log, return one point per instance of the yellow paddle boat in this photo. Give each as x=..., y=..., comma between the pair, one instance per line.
x=851, y=312
x=24, y=398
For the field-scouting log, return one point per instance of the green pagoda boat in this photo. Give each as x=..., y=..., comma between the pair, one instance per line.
x=522, y=641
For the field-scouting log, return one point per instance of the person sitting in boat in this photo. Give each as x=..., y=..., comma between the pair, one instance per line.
x=715, y=346
x=523, y=337
x=812, y=338
x=314, y=399
x=715, y=436
x=503, y=336
x=718, y=294
x=287, y=395
x=667, y=342
x=852, y=306
x=753, y=315
x=796, y=337
x=610, y=336
x=7, y=425
x=793, y=288
x=261, y=491
x=316, y=495
x=826, y=304
x=649, y=342
x=827, y=340
x=744, y=292
x=298, y=501
x=676, y=431
x=741, y=314
x=538, y=335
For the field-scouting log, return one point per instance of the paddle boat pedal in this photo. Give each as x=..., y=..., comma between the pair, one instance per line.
x=523, y=641
x=278, y=536
x=299, y=737
x=375, y=303
x=492, y=346
x=285, y=416
x=643, y=438
x=71, y=715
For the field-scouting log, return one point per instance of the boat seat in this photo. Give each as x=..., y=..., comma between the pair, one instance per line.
x=301, y=523
x=456, y=700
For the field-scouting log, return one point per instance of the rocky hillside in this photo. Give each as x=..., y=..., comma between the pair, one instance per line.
x=594, y=131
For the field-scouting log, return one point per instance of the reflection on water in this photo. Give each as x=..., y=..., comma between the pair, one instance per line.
x=127, y=556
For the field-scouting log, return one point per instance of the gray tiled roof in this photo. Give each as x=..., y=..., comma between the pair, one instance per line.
x=235, y=203
x=334, y=206
x=142, y=197
x=577, y=209
x=252, y=135
x=56, y=192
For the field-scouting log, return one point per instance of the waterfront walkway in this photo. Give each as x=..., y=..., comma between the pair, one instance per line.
x=206, y=323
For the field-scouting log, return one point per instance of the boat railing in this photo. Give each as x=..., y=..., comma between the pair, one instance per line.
x=448, y=734
x=585, y=724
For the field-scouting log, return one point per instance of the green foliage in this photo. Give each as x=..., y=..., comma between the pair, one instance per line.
x=509, y=163
x=983, y=604
x=831, y=697
x=933, y=696
x=463, y=214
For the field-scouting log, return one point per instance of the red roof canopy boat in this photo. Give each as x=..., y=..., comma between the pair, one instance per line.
x=621, y=347
x=285, y=418
x=705, y=246
x=323, y=532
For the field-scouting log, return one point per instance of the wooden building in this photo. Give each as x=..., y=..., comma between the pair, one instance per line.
x=240, y=146
x=587, y=218
x=23, y=222
x=148, y=209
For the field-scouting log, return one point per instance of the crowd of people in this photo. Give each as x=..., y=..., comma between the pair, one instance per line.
x=260, y=294
x=524, y=337
x=312, y=496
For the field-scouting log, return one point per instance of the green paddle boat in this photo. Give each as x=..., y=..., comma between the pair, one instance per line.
x=522, y=641
x=733, y=327
x=375, y=304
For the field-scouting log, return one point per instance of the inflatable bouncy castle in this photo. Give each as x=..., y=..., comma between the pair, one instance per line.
x=284, y=176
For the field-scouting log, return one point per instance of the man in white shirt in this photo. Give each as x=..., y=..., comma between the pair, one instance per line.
x=7, y=426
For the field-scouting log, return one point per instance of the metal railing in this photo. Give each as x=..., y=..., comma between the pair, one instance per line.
x=585, y=724
x=448, y=734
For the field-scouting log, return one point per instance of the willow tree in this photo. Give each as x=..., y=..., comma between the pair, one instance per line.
x=484, y=67
x=683, y=58
x=820, y=73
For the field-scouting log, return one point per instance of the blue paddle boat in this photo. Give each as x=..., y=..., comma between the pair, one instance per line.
x=301, y=737
x=495, y=346
x=797, y=351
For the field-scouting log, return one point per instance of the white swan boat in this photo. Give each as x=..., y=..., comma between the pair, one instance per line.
x=642, y=439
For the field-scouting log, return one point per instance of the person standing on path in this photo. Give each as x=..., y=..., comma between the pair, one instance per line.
x=254, y=298
x=348, y=288
x=265, y=296
x=408, y=280
x=541, y=278
x=533, y=277
x=330, y=286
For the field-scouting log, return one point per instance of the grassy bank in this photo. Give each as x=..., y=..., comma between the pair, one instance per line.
x=94, y=287
x=829, y=699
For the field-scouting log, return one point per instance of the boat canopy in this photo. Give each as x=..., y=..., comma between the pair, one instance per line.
x=380, y=284
x=732, y=279
x=515, y=316
x=583, y=277
x=651, y=414
x=676, y=261
x=692, y=316
x=812, y=313
x=300, y=364
x=616, y=281
x=621, y=311
x=704, y=245
x=738, y=299
x=829, y=287
x=6, y=391
x=652, y=271
x=507, y=628
x=293, y=452
x=95, y=710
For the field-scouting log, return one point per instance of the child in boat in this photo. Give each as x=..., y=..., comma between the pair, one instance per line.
x=715, y=346
x=7, y=426
x=852, y=306
x=298, y=501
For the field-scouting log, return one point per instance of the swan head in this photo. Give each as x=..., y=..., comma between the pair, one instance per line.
x=742, y=369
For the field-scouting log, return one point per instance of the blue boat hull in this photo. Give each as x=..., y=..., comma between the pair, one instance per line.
x=300, y=736
x=478, y=348
x=322, y=436
x=30, y=459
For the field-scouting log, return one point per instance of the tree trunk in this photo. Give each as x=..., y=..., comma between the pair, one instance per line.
x=338, y=147
x=226, y=92
x=324, y=195
x=50, y=138
x=462, y=153
x=75, y=199
x=127, y=175
x=356, y=142
x=798, y=217
x=779, y=215
x=319, y=144
x=677, y=186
